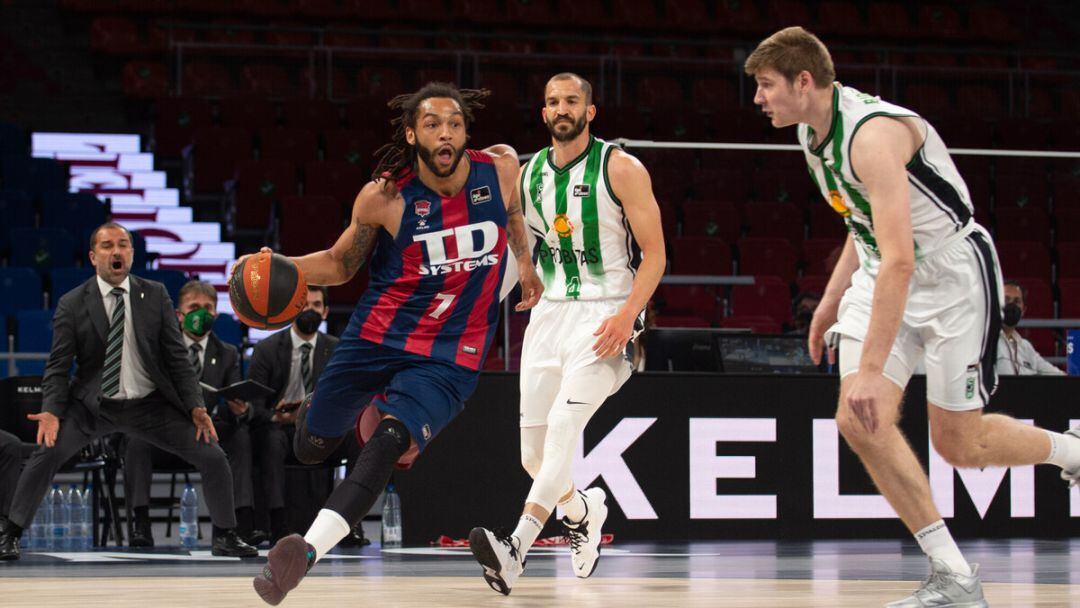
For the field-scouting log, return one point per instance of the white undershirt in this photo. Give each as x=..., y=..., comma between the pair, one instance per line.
x=135, y=383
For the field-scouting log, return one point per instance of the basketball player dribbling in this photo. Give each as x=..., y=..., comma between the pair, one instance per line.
x=439, y=218
x=918, y=281
x=590, y=206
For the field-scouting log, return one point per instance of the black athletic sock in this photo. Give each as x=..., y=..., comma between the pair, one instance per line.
x=353, y=498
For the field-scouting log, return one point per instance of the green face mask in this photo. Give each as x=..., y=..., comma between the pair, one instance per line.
x=198, y=322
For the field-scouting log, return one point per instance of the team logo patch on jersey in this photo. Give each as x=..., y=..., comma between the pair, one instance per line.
x=423, y=209
x=837, y=203
x=562, y=226
x=480, y=195
x=582, y=190
x=969, y=385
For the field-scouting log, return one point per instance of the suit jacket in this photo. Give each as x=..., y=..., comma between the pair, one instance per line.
x=79, y=330
x=271, y=364
x=221, y=367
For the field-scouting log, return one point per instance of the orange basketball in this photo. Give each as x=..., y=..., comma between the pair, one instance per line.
x=267, y=291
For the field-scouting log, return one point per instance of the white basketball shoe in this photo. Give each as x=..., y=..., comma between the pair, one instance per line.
x=498, y=556
x=1073, y=476
x=585, y=535
x=946, y=589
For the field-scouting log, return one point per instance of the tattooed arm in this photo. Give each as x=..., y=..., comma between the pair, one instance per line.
x=340, y=262
x=506, y=163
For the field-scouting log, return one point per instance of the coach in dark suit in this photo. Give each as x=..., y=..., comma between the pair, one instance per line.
x=133, y=376
x=218, y=365
x=10, y=463
x=289, y=362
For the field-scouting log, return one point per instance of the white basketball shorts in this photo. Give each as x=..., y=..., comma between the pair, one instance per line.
x=557, y=355
x=952, y=320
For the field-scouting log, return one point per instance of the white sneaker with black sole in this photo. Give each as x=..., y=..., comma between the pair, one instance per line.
x=585, y=535
x=498, y=556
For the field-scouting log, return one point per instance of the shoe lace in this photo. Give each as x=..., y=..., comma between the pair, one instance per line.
x=504, y=536
x=936, y=582
x=577, y=537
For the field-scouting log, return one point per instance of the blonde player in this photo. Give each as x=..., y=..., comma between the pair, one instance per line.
x=590, y=206
x=918, y=280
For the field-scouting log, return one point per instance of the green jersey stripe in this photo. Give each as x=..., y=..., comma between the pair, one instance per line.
x=861, y=231
x=590, y=218
x=535, y=181
x=536, y=177
x=566, y=243
x=838, y=162
x=858, y=230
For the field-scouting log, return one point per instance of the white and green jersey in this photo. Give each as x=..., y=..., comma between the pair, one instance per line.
x=940, y=203
x=587, y=251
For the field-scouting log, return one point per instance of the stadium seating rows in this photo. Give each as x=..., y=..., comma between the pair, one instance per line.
x=789, y=241
x=118, y=30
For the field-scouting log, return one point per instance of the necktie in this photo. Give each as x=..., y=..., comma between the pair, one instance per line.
x=305, y=367
x=195, y=349
x=114, y=349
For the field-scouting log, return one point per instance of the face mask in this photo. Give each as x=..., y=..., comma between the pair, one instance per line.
x=1012, y=314
x=198, y=322
x=308, y=322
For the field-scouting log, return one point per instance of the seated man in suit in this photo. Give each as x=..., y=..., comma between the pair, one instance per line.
x=132, y=375
x=289, y=362
x=216, y=364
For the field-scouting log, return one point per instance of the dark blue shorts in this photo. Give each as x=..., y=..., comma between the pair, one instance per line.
x=425, y=394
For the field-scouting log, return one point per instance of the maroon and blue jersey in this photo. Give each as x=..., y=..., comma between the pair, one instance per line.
x=434, y=287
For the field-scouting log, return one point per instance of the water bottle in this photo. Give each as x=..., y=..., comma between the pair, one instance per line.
x=41, y=528
x=189, y=518
x=391, y=518
x=78, y=527
x=1072, y=352
x=88, y=517
x=61, y=519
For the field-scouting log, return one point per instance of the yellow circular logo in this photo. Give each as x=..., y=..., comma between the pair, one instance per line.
x=562, y=225
x=837, y=203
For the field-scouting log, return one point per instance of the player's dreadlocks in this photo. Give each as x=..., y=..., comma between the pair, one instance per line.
x=397, y=157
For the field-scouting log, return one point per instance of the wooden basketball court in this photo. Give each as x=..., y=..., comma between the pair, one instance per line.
x=834, y=574
x=454, y=591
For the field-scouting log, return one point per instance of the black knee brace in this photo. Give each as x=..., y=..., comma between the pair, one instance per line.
x=352, y=499
x=308, y=448
x=396, y=429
